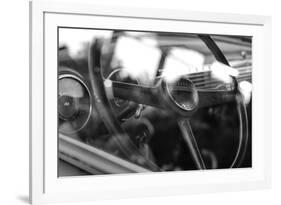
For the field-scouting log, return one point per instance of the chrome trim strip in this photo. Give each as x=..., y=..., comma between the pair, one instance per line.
x=94, y=159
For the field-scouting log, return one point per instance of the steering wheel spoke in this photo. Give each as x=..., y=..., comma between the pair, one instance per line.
x=191, y=142
x=208, y=98
x=141, y=94
x=149, y=95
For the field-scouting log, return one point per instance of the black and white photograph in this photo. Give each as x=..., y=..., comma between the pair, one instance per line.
x=149, y=101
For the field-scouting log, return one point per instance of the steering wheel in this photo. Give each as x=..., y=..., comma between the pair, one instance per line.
x=181, y=98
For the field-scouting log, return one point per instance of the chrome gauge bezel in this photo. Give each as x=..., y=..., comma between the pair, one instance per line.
x=81, y=81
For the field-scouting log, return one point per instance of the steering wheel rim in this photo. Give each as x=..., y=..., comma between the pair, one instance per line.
x=240, y=104
x=113, y=125
x=103, y=106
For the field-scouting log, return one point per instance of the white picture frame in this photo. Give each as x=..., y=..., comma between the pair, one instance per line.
x=46, y=187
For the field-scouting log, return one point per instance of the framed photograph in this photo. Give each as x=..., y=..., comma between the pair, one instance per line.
x=129, y=102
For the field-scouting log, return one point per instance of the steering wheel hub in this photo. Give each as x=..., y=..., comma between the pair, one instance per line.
x=183, y=94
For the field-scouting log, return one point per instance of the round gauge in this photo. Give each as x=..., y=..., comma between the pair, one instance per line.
x=184, y=94
x=74, y=104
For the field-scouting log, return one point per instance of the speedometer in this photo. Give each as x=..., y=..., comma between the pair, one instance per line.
x=74, y=106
